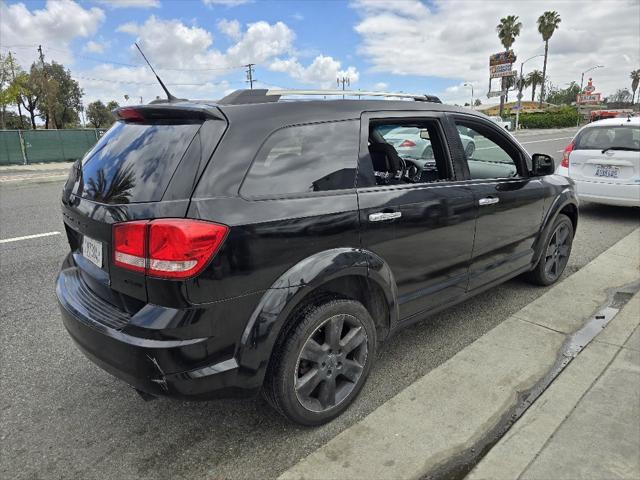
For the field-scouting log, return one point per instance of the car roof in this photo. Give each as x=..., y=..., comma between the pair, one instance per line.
x=619, y=121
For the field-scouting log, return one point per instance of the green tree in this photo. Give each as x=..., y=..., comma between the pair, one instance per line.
x=67, y=101
x=8, y=87
x=621, y=97
x=508, y=29
x=533, y=79
x=565, y=96
x=29, y=86
x=635, y=79
x=98, y=114
x=477, y=102
x=548, y=23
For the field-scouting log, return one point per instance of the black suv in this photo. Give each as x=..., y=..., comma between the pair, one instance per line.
x=255, y=244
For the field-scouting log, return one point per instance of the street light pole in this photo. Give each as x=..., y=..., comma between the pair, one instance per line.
x=581, y=85
x=521, y=84
x=469, y=85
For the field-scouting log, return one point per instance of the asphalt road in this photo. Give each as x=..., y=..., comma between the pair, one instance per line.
x=63, y=417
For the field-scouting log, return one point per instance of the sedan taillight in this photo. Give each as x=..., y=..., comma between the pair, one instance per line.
x=175, y=248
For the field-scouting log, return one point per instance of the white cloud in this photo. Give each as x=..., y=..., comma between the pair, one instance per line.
x=323, y=71
x=231, y=28
x=453, y=39
x=187, y=59
x=226, y=3
x=381, y=87
x=55, y=26
x=94, y=47
x=131, y=3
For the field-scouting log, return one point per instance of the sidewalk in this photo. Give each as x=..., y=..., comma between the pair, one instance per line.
x=592, y=436
x=36, y=172
x=443, y=425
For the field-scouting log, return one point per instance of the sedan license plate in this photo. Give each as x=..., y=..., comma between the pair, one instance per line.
x=607, y=171
x=92, y=251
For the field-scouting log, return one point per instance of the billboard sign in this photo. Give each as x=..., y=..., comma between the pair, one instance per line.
x=499, y=71
x=501, y=58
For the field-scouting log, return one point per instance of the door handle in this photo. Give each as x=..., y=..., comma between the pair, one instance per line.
x=488, y=201
x=382, y=216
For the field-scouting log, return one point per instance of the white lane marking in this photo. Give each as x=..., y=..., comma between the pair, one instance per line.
x=29, y=237
x=545, y=140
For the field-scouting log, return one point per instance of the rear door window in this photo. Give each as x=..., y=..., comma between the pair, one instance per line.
x=307, y=158
x=134, y=162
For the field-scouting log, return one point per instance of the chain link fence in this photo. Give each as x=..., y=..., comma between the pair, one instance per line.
x=21, y=147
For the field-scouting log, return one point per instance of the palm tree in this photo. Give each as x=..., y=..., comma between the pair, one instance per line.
x=532, y=80
x=508, y=29
x=548, y=22
x=635, y=79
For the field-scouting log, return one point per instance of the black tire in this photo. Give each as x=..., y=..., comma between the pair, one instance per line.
x=289, y=375
x=555, y=253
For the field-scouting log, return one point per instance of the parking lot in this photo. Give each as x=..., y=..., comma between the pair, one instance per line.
x=63, y=417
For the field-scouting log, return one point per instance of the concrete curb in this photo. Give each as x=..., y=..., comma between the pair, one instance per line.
x=449, y=412
x=535, y=448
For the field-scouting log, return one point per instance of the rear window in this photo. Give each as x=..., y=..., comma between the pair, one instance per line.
x=307, y=158
x=599, y=138
x=134, y=162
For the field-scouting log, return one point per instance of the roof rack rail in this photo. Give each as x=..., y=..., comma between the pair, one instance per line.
x=356, y=93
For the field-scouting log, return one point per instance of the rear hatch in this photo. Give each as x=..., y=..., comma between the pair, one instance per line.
x=145, y=167
x=607, y=153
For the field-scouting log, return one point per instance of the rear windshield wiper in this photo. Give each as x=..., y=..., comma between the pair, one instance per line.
x=626, y=149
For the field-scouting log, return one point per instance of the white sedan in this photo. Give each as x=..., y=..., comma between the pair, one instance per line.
x=411, y=142
x=604, y=161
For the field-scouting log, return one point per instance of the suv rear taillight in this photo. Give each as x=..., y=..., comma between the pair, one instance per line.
x=166, y=248
x=565, y=155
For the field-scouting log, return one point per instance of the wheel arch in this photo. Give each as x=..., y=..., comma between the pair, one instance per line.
x=566, y=203
x=344, y=273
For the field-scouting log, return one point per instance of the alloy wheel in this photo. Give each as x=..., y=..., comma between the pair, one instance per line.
x=331, y=363
x=557, y=253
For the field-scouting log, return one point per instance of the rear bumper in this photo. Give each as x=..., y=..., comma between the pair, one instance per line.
x=166, y=367
x=609, y=193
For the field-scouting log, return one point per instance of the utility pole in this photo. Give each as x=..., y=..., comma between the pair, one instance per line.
x=45, y=88
x=250, y=78
x=13, y=76
x=344, y=81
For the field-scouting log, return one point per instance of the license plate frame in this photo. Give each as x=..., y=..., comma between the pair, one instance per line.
x=92, y=250
x=607, y=171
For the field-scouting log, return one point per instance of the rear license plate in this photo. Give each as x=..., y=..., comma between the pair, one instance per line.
x=92, y=250
x=607, y=171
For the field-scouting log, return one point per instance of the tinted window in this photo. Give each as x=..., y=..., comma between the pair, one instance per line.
x=485, y=156
x=598, y=138
x=307, y=158
x=134, y=162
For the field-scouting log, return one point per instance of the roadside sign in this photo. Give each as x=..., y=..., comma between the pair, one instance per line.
x=497, y=93
x=502, y=57
x=588, y=98
x=503, y=72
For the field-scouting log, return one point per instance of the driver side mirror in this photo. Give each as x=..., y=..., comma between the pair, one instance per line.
x=424, y=134
x=543, y=165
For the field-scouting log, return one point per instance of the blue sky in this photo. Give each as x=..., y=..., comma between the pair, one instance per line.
x=400, y=45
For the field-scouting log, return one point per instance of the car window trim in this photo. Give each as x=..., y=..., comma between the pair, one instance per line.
x=406, y=115
x=521, y=162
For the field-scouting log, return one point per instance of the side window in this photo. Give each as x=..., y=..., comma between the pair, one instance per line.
x=407, y=152
x=307, y=158
x=486, y=159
